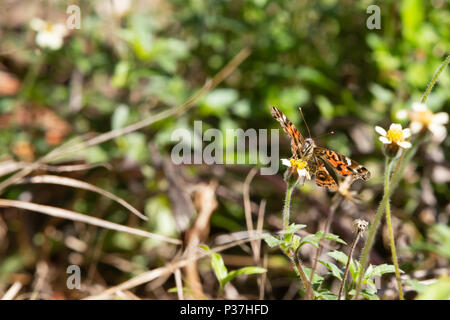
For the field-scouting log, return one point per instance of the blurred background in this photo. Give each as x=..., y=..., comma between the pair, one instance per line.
x=130, y=60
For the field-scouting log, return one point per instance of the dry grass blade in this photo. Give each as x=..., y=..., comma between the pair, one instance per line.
x=9, y=166
x=179, y=284
x=248, y=213
x=12, y=291
x=75, y=216
x=162, y=271
x=81, y=185
x=209, y=85
x=65, y=149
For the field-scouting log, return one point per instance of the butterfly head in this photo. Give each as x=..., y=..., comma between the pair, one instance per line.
x=308, y=147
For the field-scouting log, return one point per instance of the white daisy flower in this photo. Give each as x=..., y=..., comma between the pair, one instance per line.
x=300, y=165
x=49, y=36
x=395, y=135
x=422, y=119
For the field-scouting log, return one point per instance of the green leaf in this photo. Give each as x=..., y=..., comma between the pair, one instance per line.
x=416, y=285
x=379, y=270
x=246, y=270
x=342, y=258
x=338, y=256
x=325, y=295
x=325, y=107
x=335, y=271
x=316, y=77
x=120, y=76
x=313, y=239
x=412, y=15
x=439, y=290
x=290, y=230
x=294, y=227
x=217, y=101
x=120, y=117
x=370, y=284
x=317, y=280
x=272, y=241
x=217, y=264
x=296, y=242
x=333, y=237
x=369, y=295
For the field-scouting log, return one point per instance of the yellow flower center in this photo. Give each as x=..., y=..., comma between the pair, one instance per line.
x=395, y=135
x=299, y=164
x=49, y=27
x=425, y=117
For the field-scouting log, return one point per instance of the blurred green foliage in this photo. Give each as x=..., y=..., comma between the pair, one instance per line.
x=317, y=54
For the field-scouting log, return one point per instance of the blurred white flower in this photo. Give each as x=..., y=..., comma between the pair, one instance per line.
x=300, y=165
x=422, y=119
x=108, y=8
x=50, y=36
x=395, y=135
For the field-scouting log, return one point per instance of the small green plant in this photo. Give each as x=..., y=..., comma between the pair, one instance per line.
x=440, y=235
x=290, y=243
x=223, y=275
x=372, y=272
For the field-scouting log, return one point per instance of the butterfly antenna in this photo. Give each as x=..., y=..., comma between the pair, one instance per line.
x=303, y=117
x=324, y=135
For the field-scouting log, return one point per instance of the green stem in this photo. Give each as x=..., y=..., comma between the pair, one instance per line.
x=293, y=258
x=297, y=265
x=372, y=232
x=405, y=158
x=434, y=79
x=391, y=233
x=287, y=204
x=347, y=267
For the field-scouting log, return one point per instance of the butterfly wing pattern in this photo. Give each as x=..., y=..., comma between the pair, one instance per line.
x=320, y=156
x=324, y=179
x=297, y=139
x=342, y=164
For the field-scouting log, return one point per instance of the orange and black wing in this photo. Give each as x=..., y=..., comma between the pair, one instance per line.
x=342, y=164
x=324, y=179
x=297, y=139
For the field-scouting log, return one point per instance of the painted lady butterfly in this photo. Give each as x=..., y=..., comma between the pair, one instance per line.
x=318, y=158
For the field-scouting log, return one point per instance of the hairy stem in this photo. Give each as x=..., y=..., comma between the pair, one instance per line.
x=405, y=158
x=373, y=229
x=347, y=267
x=335, y=202
x=434, y=79
x=296, y=262
x=391, y=233
x=287, y=204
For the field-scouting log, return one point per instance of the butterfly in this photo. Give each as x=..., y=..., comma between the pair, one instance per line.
x=320, y=160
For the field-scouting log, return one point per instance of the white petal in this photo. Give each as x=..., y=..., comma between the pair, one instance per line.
x=419, y=106
x=404, y=144
x=303, y=173
x=385, y=140
x=438, y=131
x=286, y=162
x=37, y=24
x=395, y=126
x=440, y=118
x=402, y=114
x=121, y=6
x=380, y=131
x=416, y=127
x=59, y=29
x=406, y=133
